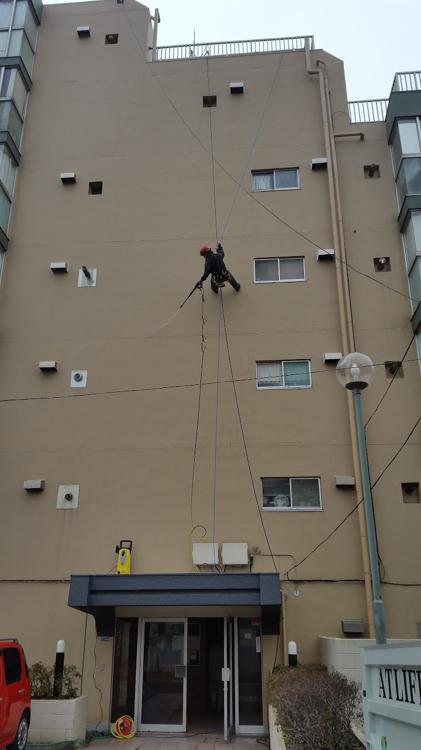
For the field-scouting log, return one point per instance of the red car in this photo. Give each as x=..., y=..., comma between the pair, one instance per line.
x=15, y=695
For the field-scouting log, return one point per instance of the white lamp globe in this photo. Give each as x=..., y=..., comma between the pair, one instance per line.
x=356, y=370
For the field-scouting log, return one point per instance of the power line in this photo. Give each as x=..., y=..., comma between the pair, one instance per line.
x=398, y=369
x=348, y=515
x=173, y=386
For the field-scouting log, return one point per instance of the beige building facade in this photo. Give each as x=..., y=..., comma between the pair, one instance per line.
x=214, y=437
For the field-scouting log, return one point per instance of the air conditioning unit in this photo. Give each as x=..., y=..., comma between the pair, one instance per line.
x=235, y=553
x=205, y=553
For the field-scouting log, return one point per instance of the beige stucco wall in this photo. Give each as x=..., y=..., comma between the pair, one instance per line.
x=101, y=111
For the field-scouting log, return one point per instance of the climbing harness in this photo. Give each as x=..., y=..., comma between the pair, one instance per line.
x=124, y=728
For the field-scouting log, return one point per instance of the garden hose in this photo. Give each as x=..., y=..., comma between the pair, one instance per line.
x=124, y=728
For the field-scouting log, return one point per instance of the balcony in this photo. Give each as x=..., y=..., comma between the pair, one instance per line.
x=223, y=49
x=404, y=101
x=10, y=122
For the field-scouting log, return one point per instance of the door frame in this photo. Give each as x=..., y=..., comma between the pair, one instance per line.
x=256, y=729
x=139, y=677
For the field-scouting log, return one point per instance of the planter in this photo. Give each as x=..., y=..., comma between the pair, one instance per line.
x=276, y=737
x=58, y=720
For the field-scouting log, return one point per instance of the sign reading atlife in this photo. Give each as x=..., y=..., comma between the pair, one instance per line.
x=392, y=696
x=400, y=684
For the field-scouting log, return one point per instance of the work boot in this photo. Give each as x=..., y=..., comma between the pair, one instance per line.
x=235, y=285
x=214, y=286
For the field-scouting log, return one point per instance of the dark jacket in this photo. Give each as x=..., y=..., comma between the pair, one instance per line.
x=214, y=265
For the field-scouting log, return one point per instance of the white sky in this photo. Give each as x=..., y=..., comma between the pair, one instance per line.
x=375, y=38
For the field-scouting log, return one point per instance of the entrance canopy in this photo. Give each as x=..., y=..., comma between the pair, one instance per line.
x=100, y=594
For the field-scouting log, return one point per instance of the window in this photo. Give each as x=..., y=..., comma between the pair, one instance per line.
x=408, y=181
x=412, y=238
x=111, y=38
x=268, y=270
x=291, y=493
x=275, y=179
x=95, y=188
x=12, y=666
x=406, y=140
x=293, y=373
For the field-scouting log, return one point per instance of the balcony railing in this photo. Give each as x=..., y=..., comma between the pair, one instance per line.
x=410, y=81
x=242, y=47
x=368, y=110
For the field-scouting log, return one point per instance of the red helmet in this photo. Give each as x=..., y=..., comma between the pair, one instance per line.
x=204, y=249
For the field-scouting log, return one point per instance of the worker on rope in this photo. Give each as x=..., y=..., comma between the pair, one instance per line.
x=215, y=266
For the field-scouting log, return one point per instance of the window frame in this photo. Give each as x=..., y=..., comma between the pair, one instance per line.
x=292, y=508
x=279, y=280
x=272, y=172
x=282, y=387
x=397, y=166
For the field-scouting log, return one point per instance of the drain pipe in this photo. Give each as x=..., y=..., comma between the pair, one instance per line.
x=347, y=334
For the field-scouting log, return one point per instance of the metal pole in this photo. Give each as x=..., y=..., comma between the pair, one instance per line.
x=378, y=609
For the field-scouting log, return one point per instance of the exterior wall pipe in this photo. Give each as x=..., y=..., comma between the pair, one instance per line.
x=347, y=336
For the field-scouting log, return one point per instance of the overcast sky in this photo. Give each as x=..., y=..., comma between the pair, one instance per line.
x=375, y=38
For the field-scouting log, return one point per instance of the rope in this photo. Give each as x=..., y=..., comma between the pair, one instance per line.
x=215, y=447
x=244, y=441
x=199, y=399
x=212, y=156
x=253, y=145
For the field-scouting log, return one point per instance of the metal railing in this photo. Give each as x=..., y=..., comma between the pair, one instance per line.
x=368, y=110
x=241, y=47
x=408, y=81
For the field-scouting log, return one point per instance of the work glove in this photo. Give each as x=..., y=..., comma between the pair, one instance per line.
x=199, y=285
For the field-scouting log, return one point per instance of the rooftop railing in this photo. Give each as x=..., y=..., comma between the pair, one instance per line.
x=242, y=47
x=410, y=81
x=368, y=110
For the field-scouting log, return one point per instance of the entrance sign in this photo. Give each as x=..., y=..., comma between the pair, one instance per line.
x=392, y=696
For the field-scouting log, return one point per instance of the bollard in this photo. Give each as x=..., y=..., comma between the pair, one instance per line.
x=292, y=654
x=58, y=669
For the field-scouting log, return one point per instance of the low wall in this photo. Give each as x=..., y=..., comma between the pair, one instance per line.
x=344, y=654
x=58, y=720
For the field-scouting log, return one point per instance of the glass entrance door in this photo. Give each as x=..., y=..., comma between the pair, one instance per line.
x=248, y=668
x=163, y=676
x=228, y=677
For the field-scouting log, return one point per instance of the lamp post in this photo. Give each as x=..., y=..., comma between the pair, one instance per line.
x=355, y=372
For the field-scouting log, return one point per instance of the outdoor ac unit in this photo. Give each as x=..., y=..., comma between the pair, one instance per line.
x=235, y=553
x=205, y=553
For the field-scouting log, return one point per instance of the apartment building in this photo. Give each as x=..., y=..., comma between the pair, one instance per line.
x=215, y=438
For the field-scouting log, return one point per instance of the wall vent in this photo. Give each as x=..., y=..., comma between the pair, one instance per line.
x=87, y=276
x=68, y=178
x=209, y=100
x=344, y=481
x=356, y=627
x=382, y=264
x=33, y=485
x=237, y=88
x=326, y=254
x=79, y=379
x=319, y=164
x=48, y=366
x=59, y=267
x=332, y=358
x=83, y=31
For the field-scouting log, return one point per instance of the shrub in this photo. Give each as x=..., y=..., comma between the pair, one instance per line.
x=42, y=680
x=315, y=707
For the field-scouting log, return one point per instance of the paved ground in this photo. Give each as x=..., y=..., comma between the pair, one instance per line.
x=199, y=741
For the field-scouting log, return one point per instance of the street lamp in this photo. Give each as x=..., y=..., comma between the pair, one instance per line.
x=355, y=372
